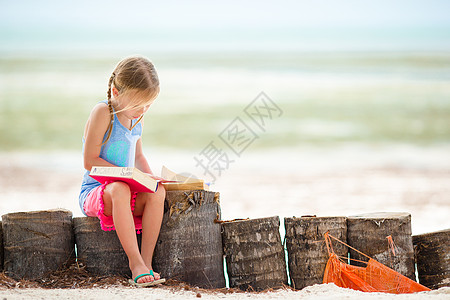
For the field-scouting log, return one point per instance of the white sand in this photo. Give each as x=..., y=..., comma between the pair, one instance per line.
x=316, y=292
x=291, y=182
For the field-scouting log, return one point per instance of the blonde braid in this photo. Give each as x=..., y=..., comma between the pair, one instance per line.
x=111, y=112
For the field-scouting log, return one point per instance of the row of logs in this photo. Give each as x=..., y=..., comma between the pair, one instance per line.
x=193, y=242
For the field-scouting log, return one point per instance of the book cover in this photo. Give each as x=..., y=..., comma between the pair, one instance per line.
x=137, y=180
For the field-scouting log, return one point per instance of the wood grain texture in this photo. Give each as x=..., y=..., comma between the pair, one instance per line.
x=432, y=253
x=189, y=246
x=100, y=251
x=37, y=243
x=1, y=247
x=368, y=233
x=307, y=251
x=254, y=254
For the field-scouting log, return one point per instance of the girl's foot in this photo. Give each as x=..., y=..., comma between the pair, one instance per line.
x=156, y=276
x=137, y=271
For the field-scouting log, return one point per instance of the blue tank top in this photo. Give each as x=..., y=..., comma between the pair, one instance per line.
x=120, y=150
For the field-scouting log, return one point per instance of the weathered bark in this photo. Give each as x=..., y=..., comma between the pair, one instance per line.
x=37, y=243
x=368, y=234
x=100, y=251
x=1, y=247
x=307, y=251
x=432, y=252
x=254, y=254
x=189, y=246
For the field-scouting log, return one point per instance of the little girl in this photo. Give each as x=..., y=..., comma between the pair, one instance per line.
x=112, y=137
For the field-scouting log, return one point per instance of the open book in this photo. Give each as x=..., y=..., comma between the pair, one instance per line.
x=175, y=182
x=139, y=181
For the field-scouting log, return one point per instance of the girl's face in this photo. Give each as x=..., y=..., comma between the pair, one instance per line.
x=126, y=100
x=136, y=113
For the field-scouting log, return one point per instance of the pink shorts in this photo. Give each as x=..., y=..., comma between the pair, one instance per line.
x=94, y=207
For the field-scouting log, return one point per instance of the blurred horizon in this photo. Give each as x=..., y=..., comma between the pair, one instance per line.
x=343, y=71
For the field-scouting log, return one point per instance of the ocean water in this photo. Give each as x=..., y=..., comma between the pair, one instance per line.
x=325, y=97
x=333, y=84
x=364, y=122
x=102, y=42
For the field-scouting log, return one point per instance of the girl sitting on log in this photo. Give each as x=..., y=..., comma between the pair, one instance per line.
x=112, y=137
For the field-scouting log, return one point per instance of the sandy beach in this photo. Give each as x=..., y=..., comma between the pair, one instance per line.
x=336, y=181
x=325, y=182
x=316, y=292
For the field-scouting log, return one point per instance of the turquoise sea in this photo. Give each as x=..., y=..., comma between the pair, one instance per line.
x=334, y=85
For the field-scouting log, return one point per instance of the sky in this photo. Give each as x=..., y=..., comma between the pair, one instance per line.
x=234, y=13
x=232, y=24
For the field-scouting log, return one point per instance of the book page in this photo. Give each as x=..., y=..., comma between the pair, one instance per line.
x=172, y=176
x=160, y=179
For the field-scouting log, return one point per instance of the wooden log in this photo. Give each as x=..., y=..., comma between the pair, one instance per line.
x=189, y=247
x=37, y=243
x=100, y=251
x=368, y=233
x=307, y=251
x=433, y=259
x=1, y=247
x=254, y=254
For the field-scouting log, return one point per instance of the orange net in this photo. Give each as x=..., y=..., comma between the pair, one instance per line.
x=375, y=277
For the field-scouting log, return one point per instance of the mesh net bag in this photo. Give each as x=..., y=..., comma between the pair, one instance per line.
x=374, y=277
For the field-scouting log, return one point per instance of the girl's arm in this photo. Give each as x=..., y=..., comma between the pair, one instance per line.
x=140, y=160
x=94, y=132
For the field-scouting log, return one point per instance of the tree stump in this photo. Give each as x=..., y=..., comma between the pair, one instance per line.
x=1, y=247
x=368, y=233
x=37, y=243
x=254, y=254
x=100, y=251
x=189, y=247
x=307, y=251
x=433, y=259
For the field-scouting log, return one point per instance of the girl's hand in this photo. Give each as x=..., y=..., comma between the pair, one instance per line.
x=160, y=178
x=156, y=177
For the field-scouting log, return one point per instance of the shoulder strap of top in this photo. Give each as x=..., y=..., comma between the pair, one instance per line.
x=106, y=102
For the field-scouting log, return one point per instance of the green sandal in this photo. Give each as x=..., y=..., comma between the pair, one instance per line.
x=145, y=284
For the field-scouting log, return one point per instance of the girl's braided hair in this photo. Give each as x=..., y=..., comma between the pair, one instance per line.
x=133, y=73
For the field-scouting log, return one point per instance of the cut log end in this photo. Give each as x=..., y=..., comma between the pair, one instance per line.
x=37, y=243
x=189, y=247
x=432, y=257
x=100, y=251
x=369, y=234
x=307, y=252
x=254, y=254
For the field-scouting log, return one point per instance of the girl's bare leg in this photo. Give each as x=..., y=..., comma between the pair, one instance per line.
x=151, y=208
x=116, y=198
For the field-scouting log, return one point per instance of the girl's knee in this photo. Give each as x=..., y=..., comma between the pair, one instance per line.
x=119, y=186
x=157, y=197
x=115, y=192
x=161, y=192
x=118, y=191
